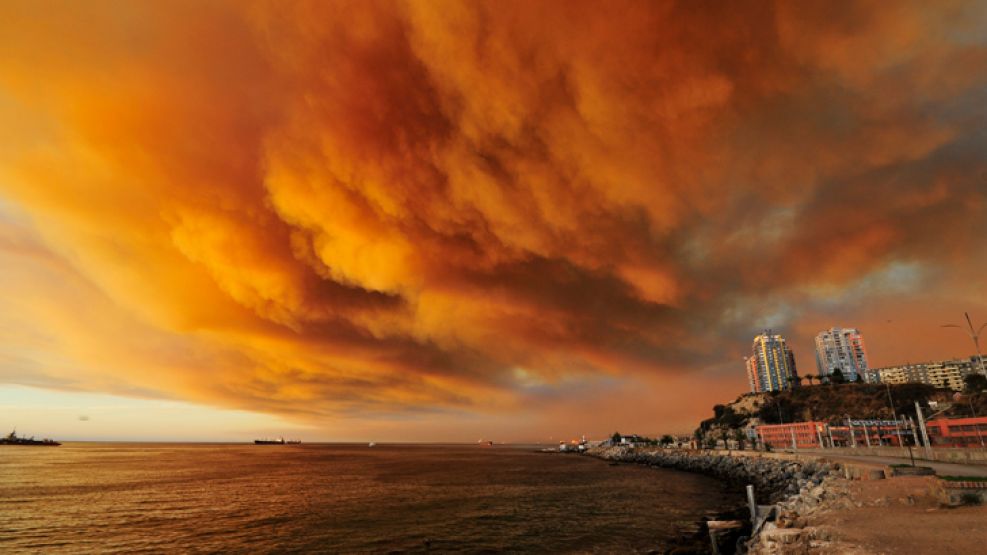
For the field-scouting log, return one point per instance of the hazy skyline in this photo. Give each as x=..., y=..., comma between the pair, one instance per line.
x=451, y=221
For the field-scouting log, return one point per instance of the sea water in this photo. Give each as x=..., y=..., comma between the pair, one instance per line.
x=168, y=498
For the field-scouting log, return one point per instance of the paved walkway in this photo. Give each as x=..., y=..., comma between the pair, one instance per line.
x=941, y=468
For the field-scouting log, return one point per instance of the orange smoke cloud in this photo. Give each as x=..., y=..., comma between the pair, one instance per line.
x=381, y=207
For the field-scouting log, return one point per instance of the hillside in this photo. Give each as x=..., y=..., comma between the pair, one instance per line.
x=832, y=403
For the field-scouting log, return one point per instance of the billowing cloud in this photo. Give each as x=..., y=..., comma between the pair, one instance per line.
x=375, y=209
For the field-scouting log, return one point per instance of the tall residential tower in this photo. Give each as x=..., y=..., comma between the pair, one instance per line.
x=841, y=348
x=771, y=366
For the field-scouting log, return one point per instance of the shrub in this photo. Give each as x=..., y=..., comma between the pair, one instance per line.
x=970, y=499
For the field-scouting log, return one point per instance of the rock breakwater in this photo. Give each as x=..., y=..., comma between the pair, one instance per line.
x=798, y=489
x=773, y=479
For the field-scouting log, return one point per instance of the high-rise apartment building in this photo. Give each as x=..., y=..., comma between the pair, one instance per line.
x=751, y=364
x=841, y=348
x=771, y=366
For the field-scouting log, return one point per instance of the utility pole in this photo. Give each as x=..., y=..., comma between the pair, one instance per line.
x=894, y=413
x=975, y=336
x=925, y=434
x=829, y=429
x=911, y=428
x=853, y=440
x=794, y=446
x=976, y=425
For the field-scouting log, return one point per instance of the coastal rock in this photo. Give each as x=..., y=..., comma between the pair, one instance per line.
x=797, y=490
x=783, y=535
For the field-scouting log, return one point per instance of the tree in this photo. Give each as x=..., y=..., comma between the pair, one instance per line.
x=739, y=436
x=974, y=383
x=730, y=419
x=860, y=378
x=666, y=440
x=615, y=438
x=718, y=411
x=837, y=376
x=810, y=377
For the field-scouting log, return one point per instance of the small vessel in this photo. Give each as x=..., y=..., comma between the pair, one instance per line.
x=279, y=441
x=13, y=439
x=372, y=444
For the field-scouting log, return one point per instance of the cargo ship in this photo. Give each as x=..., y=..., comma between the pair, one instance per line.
x=279, y=441
x=12, y=439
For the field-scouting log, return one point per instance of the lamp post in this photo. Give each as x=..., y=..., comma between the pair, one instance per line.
x=975, y=336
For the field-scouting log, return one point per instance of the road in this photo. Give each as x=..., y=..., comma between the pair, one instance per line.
x=941, y=468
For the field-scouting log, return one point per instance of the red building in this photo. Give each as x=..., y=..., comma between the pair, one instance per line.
x=805, y=435
x=957, y=432
x=812, y=435
x=943, y=432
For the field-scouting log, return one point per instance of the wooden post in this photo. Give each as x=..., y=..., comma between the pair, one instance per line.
x=719, y=528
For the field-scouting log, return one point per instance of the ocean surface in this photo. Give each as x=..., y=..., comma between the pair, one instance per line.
x=174, y=498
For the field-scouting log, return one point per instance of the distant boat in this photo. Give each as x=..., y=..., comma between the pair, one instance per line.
x=12, y=439
x=372, y=444
x=269, y=441
x=279, y=441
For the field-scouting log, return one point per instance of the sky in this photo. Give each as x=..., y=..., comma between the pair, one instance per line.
x=451, y=221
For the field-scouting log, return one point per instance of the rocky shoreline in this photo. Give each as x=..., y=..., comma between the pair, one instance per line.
x=799, y=490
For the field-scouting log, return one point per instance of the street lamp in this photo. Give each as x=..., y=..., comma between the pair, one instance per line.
x=974, y=335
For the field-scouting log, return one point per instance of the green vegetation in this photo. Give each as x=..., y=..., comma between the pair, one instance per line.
x=964, y=478
x=830, y=403
x=975, y=383
x=970, y=499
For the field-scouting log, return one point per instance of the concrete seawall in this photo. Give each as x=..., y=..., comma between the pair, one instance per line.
x=939, y=454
